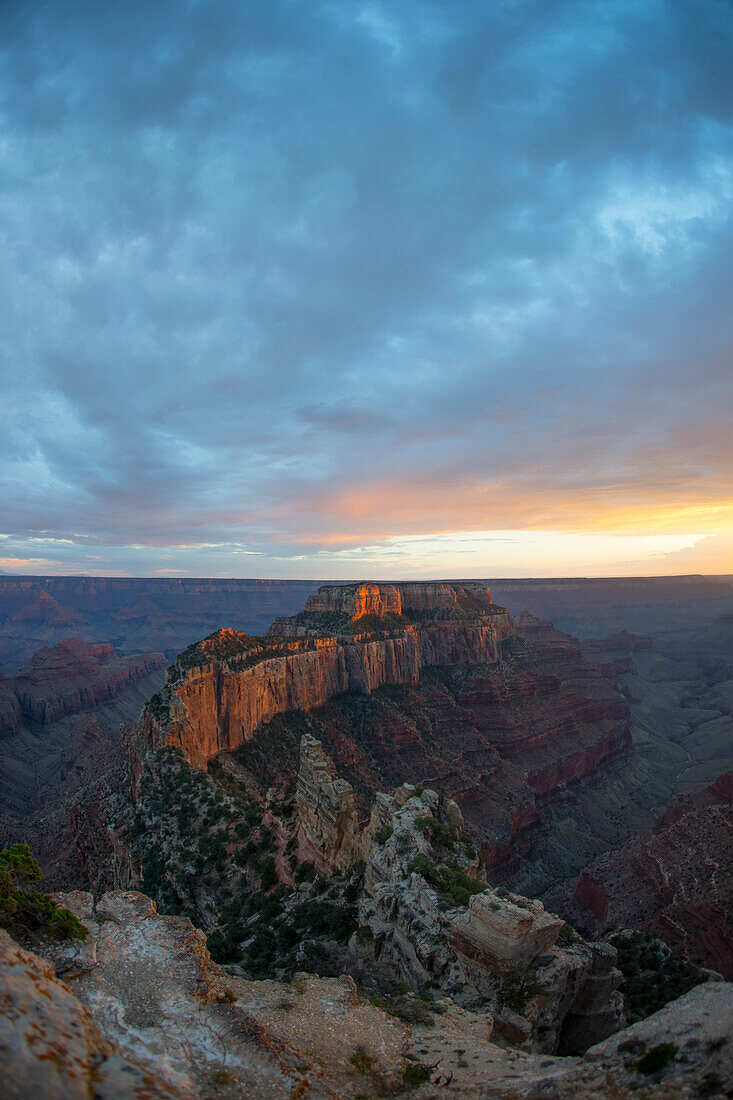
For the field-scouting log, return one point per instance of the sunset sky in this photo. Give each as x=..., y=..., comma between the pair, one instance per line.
x=341, y=289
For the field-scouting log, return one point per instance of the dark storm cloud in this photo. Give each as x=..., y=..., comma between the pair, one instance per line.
x=279, y=273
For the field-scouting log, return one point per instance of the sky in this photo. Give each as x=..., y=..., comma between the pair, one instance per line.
x=335, y=289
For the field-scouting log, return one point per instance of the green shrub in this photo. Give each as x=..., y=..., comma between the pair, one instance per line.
x=411, y=1010
x=517, y=987
x=415, y=1075
x=447, y=835
x=657, y=1058
x=653, y=974
x=267, y=873
x=451, y=884
x=566, y=935
x=306, y=873
x=27, y=911
x=383, y=834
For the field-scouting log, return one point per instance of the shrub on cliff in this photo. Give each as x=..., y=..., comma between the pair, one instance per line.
x=653, y=974
x=25, y=911
x=517, y=987
x=451, y=883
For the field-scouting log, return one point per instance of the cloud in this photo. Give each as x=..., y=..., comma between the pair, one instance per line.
x=280, y=277
x=713, y=554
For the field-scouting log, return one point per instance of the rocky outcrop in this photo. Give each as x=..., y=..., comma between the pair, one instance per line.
x=498, y=934
x=69, y=678
x=350, y=604
x=219, y=692
x=50, y=1045
x=678, y=881
x=329, y=827
x=549, y=997
x=156, y=998
x=145, y=1013
x=410, y=918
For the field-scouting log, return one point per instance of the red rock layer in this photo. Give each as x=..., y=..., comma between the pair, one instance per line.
x=512, y=715
x=219, y=706
x=68, y=678
x=441, y=731
x=678, y=881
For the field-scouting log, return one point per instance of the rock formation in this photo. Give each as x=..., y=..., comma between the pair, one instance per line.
x=139, y=614
x=68, y=678
x=503, y=933
x=561, y=998
x=50, y=1046
x=59, y=740
x=220, y=691
x=142, y=1011
x=411, y=918
x=678, y=881
x=327, y=811
x=534, y=711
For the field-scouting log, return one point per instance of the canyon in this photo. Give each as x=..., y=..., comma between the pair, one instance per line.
x=378, y=787
x=141, y=1010
x=405, y=681
x=678, y=880
x=59, y=733
x=134, y=614
x=158, y=614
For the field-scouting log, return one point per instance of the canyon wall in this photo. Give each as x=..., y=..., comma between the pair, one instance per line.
x=423, y=682
x=231, y=684
x=66, y=679
x=140, y=614
x=678, y=881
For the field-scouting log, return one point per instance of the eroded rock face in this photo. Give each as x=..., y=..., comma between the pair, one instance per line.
x=352, y=602
x=410, y=922
x=221, y=691
x=156, y=997
x=50, y=1046
x=327, y=811
x=499, y=933
x=554, y=998
x=677, y=881
x=149, y=987
x=69, y=678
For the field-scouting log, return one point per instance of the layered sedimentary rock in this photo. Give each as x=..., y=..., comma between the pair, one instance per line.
x=59, y=744
x=73, y=676
x=677, y=881
x=326, y=810
x=503, y=933
x=220, y=691
x=137, y=614
x=429, y=682
x=410, y=920
x=145, y=1013
x=570, y=997
x=68, y=678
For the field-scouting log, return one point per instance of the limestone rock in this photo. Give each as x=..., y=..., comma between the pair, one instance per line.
x=411, y=924
x=326, y=809
x=496, y=933
x=158, y=999
x=50, y=1047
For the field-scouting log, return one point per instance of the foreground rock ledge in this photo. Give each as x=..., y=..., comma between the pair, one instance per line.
x=146, y=1013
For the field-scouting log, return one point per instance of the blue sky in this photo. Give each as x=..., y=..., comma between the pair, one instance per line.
x=331, y=289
